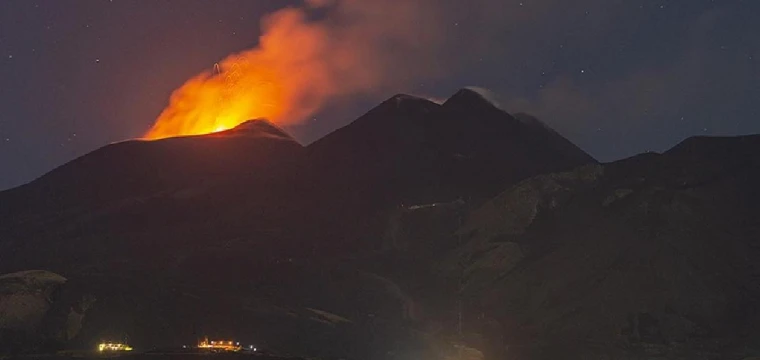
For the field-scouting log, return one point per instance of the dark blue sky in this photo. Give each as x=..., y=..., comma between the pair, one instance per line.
x=617, y=77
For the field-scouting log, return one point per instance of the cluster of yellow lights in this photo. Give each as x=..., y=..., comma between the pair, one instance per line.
x=114, y=347
x=226, y=345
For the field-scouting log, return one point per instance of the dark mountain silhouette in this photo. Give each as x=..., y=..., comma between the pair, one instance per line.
x=409, y=150
x=252, y=181
x=387, y=237
x=465, y=147
x=649, y=257
x=143, y=168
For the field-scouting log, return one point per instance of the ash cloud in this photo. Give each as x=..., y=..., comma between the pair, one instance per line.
x=331, y=51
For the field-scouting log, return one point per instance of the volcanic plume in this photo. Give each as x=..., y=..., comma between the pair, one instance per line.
x=281, y=80
x=301, y=61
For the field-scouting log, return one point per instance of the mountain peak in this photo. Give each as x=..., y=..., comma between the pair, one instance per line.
x=405, y=101
x=257, y=128
x=258, y=125
x=406, y=97
x=473, y=96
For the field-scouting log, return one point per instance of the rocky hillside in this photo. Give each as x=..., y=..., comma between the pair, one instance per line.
x=649, y=257
x=39, y=311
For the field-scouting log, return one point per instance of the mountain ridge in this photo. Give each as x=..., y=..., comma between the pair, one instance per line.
x=422, y=228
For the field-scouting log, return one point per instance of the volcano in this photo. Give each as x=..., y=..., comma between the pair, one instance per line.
x=398, y=153
x=418, y=230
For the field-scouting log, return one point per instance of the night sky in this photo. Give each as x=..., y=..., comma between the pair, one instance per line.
x=617, y=77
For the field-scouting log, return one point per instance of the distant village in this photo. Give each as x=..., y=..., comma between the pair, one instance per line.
x=204, y=346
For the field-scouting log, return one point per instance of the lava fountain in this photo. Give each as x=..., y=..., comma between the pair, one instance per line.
x=284, y=79
x=302, y=60
x=235, y=91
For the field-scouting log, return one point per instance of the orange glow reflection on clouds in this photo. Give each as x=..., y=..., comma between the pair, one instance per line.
x=362, y=47
x=282, y=80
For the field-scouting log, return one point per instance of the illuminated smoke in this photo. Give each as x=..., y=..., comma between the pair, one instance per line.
x=300, y=63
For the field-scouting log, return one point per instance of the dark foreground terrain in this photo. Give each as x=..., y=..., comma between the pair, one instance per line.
x=159, y=356
x=419, y=231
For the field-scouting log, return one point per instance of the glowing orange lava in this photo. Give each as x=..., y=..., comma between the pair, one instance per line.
x=296, y=67
x=220, y=100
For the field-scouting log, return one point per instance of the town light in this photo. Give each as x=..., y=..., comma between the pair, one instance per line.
x=221, y=345
x=109, y=346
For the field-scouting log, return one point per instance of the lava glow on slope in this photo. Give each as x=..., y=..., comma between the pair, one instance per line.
x=219, y=100
x=300, y=62
x=284, y=79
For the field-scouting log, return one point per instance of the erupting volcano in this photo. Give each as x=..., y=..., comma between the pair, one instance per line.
x=267, y=81
x=301, y=61
x=237, y=90
x=296, y=66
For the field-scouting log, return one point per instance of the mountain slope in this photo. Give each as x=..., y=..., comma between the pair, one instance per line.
x=410, y=151
x=650, y=256
x=465, y=147
x=111, y=203
x=249, y=222
x=139, y=168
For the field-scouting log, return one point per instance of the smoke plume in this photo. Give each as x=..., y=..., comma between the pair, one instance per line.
x=306, y=55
